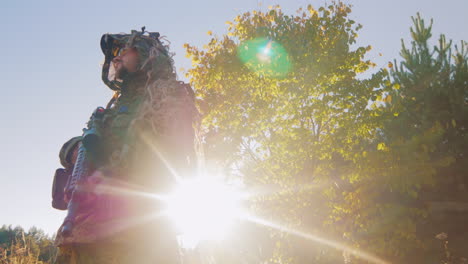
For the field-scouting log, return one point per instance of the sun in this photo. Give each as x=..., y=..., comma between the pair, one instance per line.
x=203, y=209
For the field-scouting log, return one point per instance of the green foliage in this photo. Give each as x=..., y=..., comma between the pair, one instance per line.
x=418, y=156
x=31, y=247
x=432, y=99
x=356, y=159
x=265, y=57
x=290, y=132
x=432, y=82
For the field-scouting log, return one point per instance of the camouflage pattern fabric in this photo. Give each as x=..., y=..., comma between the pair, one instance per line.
x=66, y=152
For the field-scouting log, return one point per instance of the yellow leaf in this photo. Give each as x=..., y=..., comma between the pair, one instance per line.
x=390, y=65
x=382, y=146
x=396, y=86
x=396, y=114
x=454, y=123
x=388, y=99
x=209, y=33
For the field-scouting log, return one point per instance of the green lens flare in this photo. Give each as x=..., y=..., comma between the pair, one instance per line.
x=265, y=57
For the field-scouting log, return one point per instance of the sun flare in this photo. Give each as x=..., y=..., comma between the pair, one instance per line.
x=203, y=209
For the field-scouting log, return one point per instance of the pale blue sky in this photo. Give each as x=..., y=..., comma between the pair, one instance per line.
x=50, y=71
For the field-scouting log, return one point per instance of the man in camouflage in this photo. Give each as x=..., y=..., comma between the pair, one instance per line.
x=146, y=141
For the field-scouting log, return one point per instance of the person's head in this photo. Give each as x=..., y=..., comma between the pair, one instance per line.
x=126, y=62
x=140, y=53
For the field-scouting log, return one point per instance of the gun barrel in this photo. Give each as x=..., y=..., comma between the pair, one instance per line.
x=90, y=145
x=80, y=171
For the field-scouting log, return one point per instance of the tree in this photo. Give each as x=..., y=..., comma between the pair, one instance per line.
x=433, y=91
x=417, y=157
x=430, y=89
x=18, y=246
x=282, y=103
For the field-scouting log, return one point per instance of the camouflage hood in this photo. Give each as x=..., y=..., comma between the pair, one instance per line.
x=66, y=151
x=154, y=57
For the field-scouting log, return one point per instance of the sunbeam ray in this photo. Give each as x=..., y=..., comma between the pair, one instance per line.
x=134, y=221
x=267, y=191
x=155, y=149
x=311, y=237
x=126, y=191
x=110, y=192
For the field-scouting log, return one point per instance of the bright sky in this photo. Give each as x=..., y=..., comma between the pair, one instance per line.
x=50, y=71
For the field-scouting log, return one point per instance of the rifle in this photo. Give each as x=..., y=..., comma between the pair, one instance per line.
x=89, y=154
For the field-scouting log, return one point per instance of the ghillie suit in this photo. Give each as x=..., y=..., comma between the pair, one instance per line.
x=147, y=134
